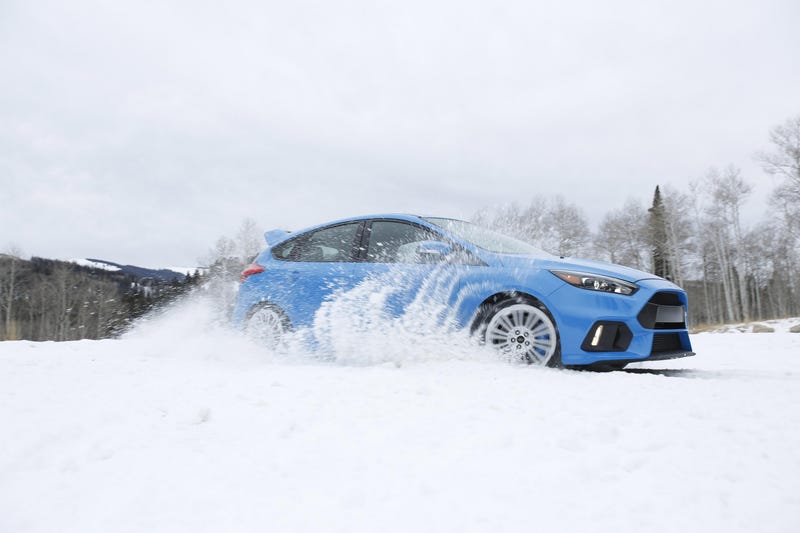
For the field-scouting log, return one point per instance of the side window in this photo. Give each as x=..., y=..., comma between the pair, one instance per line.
x=284, y=250
x=396, y=242
x=333, y=244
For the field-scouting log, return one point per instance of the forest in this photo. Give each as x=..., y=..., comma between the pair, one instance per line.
x=696, y=238
x=733, y=271
x=44, y=299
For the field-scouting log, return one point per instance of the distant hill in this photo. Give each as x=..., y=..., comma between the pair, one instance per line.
x=162, y=274
x=50, y=299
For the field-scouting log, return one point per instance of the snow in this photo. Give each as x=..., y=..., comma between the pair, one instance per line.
x=186, y=271
x=185, y=426
x=112, y=268
x=95, y=264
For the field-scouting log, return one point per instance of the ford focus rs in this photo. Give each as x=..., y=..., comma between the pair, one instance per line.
x=527, y=304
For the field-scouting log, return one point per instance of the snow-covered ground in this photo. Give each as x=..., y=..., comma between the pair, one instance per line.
x=95, y=264
x=185, y=426
x=102, y=265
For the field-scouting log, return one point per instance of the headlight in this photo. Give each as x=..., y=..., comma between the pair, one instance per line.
x=593, y=282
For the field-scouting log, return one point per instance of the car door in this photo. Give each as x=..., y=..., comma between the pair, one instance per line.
x=403, y=262
x=319, y=264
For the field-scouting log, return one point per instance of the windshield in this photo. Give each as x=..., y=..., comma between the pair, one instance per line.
x=485, y=238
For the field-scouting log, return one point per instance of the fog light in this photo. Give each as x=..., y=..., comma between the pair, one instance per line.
x=597, y=334
x=607, y=336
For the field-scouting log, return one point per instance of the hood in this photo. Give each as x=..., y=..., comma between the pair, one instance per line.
x=579, y=265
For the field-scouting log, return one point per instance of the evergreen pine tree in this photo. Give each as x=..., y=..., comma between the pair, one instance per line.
x=658, y=236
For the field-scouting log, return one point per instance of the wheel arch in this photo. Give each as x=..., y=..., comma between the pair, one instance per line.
x=502, y=299
x=486, y=306
x=261, y=304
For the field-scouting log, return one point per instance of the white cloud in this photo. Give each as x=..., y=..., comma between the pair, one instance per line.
x=172, y=121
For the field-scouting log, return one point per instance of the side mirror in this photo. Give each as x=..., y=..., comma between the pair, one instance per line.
x=434, y=250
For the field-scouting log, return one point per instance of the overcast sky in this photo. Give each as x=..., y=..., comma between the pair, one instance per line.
x=139, y=132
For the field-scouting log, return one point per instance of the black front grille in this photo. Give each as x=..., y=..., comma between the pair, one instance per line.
x=663, y=311
x=666, y=298
x=666, y=342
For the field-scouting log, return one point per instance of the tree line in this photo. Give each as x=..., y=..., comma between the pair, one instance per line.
x=44, y=299
x=733, y=271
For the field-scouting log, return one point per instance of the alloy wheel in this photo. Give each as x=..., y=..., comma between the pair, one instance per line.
x=267, y=326
x=522, y=332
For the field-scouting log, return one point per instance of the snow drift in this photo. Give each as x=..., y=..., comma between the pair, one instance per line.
x=185, y=425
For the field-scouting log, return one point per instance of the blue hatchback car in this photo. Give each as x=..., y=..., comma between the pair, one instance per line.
x=527, y=304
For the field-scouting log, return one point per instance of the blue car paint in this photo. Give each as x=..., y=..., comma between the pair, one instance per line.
x=300, y=288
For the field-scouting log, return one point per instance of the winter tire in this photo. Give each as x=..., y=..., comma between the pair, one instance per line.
x=267, y=325
x=522, y=331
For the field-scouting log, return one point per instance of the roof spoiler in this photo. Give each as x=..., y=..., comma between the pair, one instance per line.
x=275, y=236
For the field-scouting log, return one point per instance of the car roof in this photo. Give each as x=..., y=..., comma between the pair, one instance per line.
x=396, y=216
x=393, y=216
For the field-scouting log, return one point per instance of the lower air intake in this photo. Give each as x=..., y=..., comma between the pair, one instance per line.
x=666, y=342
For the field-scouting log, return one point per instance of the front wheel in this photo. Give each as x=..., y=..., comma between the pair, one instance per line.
x=523, y=331
x=267, y=325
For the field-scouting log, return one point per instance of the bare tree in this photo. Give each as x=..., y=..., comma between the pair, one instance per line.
x=622, y=236
x=784, y=161
x=226, y=260
x=678, y=231
x=568, y=233
x=8, y=286
x=729, y=191
x=723, y=192
x=249, y=240
x=536, y=225
x=508, y=218
x=556, y=226
x=62, y=301
x=703, y=264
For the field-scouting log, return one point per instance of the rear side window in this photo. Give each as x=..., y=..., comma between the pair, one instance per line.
x=283, y=251
x=327, y=245
x=396, y=242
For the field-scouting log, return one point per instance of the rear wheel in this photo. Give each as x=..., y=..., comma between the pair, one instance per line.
x=522, y=331
x=267, y=325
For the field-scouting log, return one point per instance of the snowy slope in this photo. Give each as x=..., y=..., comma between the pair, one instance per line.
x=101, y=265
x=185, y=426
x=164, y=274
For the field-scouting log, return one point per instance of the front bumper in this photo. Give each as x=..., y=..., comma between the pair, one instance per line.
x=633, y=330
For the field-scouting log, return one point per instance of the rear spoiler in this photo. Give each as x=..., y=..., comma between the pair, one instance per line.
x=275, y=236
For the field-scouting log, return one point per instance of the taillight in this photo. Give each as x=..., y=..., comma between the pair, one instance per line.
x=254, y=268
